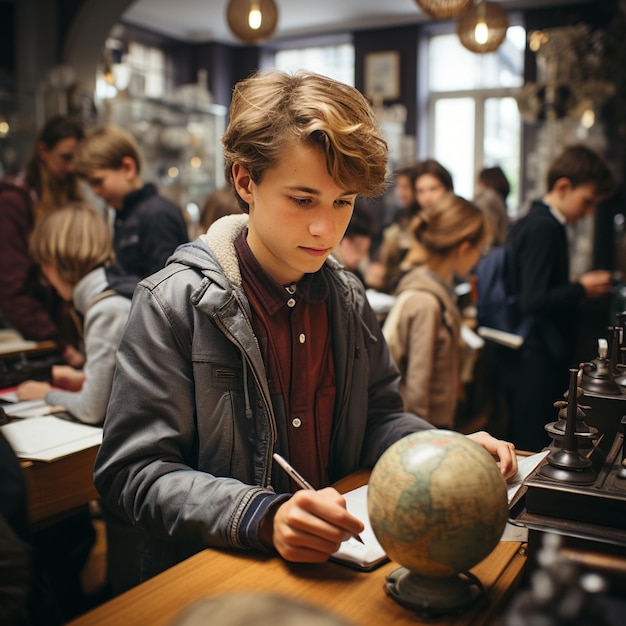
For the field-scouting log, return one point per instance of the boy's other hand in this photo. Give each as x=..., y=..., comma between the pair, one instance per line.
x=32, y=390
x=311, y=525
x=502, y=451
x=596, y=283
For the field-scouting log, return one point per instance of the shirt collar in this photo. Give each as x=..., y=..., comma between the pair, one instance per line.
x=558, y=216
x=272, y=295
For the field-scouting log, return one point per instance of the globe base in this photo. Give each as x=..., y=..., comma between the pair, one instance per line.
x=431, y=596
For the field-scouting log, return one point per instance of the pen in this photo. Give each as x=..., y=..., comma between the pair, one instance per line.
x=299, y=479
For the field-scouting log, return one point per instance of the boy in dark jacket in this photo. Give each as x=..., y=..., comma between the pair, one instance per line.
x=254, y=340
x=537, y=374
x=148, y=227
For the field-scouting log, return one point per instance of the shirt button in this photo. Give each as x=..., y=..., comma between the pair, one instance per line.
x=302, y=337
x=296, y=422
x=291, y=302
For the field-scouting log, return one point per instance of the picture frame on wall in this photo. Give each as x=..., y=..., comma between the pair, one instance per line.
x=382, y=75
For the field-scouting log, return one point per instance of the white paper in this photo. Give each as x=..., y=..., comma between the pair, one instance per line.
x=510, y=340
x=470, y=338
x=48, y=438
x=525, y=465
x=26, y=408
x=370, y=551
x=9, y=396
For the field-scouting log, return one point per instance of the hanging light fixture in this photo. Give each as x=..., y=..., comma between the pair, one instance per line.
x=482, y=28
x=443, y=9
x=252, y=21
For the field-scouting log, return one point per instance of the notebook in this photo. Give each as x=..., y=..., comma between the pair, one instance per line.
x=48, y=438
x=364, y=556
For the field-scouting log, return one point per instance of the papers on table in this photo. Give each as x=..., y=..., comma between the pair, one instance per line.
x=48, y=438
x=26, y=408
x=366, y=555
x=525, y=465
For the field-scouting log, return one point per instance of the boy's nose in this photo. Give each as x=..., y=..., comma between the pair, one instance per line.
x=323, y=225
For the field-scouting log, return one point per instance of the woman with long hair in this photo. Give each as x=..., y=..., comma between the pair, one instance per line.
x=48, y=182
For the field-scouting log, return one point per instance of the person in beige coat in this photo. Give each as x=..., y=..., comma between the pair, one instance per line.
x=423, y=326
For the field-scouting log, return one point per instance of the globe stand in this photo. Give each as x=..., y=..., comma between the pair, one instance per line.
x=433, y=596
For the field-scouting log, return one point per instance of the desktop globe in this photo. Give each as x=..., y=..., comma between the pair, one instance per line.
x=437, y=503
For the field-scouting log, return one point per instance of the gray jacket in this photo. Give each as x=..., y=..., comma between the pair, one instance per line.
x=190, y=429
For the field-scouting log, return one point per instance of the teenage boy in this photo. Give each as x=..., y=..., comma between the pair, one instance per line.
x=147, y=226
x=253, y=340
x=537, y=374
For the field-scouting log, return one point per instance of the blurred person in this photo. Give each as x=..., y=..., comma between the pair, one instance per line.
x=260, y=609
x=536, y=375
x=491, y=191
x=431, y=181
x=353, y=249
x=396, y=238
x=48, y=182
x=74, y=250
x=220, y=202
x=147, y=226
x=423, y=328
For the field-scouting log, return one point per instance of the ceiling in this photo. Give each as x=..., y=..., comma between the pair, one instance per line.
x=204, y=20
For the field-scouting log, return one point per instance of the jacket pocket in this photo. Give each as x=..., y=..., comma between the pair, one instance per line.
x=223, y=429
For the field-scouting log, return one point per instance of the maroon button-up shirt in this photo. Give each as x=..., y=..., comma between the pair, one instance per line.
x=291, y=324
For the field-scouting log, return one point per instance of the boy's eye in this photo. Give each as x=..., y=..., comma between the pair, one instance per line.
x=302, y=201
x=344, y=203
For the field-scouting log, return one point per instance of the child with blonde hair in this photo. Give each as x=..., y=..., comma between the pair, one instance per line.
x=73, y=248
x=147, y=226
x=424, y=325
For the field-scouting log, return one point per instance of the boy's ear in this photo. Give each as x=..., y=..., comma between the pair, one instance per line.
x=562, y=185
x=242, y=182
x=463, y=247
x=129, y=166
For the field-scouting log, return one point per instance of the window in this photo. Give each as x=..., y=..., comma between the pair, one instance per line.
x=335, y=61
x=474, y=119
x=148, y=68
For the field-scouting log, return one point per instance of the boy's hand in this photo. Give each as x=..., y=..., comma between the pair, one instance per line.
x=502, y=451
x=596, y=283
x=309, y=527
x=32, y=390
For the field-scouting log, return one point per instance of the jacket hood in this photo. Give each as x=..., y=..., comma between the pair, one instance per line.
x=214, y=253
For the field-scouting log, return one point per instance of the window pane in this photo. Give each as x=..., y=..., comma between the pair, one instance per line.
x=453, y=67
x=454, y=141
x=333, y=61
x=502, y=142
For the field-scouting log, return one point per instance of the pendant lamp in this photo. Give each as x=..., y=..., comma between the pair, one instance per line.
x=482, y=28
x=252, y=21
x=443, y=9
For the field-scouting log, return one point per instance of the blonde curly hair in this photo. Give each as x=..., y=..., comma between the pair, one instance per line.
x=274, y=109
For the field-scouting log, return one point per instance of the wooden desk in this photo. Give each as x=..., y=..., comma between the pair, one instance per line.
x=357, y=596
x=59, y=487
